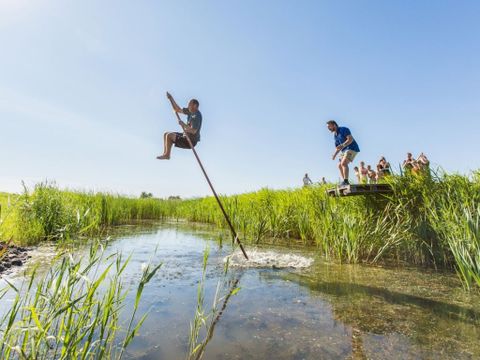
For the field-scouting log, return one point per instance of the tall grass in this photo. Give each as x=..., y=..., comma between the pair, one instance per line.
x=456, y=221
x=73, y=312
x=47, y=213
x=430, y=220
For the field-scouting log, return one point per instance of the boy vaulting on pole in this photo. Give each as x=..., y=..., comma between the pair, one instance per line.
x=191, y=128
x=188, y=140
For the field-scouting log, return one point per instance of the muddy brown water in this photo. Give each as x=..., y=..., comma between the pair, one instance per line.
x=325, y=311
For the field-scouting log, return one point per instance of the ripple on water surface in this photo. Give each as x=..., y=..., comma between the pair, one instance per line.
x=268, y=259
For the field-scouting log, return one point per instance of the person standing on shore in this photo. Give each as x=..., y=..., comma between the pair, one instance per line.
x=307, y=181
x=358, y=175
x=191, y=128
x=409, y=163
x=345, y=143
x=423, y=161
x=363, y=172
x=372, y=175
x=383, y=167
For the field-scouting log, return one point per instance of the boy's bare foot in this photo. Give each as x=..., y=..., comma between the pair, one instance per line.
x=163, y=157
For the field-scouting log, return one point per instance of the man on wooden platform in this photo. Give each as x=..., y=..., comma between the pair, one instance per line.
x=345, y=143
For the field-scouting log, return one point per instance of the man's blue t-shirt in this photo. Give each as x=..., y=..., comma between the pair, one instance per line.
x=194, y=120
x=341, y=136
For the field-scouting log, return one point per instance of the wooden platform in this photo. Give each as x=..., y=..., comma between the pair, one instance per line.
x=360, y=189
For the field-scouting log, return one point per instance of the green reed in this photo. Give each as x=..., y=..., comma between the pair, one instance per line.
x=205, y=320
x=429, y=220
x=72, y=312
x=457, y=224
x=47, y=213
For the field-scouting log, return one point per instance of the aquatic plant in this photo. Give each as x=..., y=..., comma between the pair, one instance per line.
x=206, y=320
x=72, y=312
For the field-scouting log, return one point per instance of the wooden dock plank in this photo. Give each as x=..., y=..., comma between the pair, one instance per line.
x=359, y=189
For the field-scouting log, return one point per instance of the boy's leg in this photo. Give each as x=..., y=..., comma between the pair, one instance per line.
x=340, y=167
x=344, y=165
x=165, y=142
x=347, y=158
x=169, y=139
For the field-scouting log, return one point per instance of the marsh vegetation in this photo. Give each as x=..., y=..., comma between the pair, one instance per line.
x=431, y=221
x=73, y=309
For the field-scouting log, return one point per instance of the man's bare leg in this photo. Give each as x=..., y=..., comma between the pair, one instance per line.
x=344, y=164
x=340, y=167
x=165, y=142
x=169, y=139
x=165, y=136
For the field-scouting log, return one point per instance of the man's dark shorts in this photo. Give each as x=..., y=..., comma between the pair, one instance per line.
x=182, y=142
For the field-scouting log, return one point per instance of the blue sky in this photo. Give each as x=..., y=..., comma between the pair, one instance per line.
x=82, y=89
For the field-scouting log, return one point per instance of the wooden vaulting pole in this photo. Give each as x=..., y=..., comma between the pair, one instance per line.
x=232, y=229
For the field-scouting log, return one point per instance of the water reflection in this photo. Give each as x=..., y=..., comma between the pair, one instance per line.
x=446, y=327
x=438, y=308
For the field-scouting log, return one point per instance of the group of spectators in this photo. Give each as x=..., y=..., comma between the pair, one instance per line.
x=367, y=175
x=346, y=145
x=416, y=165
x=307, y=181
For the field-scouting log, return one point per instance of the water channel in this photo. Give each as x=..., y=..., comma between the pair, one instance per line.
x=323, y=311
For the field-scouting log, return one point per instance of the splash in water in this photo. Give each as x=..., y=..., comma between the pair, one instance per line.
x=271, y=259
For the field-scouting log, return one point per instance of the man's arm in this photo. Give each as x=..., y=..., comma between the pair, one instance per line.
x=175, y=106
x=189, y=129
x=194, y=126
x=335, y=153
x=345, y=143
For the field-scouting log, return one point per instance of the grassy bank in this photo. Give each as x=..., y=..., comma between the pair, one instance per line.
x=429, y=220
x=47, y=213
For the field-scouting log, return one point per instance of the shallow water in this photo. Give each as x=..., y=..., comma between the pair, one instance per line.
x=262, y=258
x=323, y=311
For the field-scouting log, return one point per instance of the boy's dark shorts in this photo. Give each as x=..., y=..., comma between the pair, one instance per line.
x=182, y=142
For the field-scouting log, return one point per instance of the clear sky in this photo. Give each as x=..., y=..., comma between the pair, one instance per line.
x=82, y=89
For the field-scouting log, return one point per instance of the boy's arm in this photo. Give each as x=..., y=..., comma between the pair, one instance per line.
x=194, y=126
x=347, y=142
x=189, y=129
x=335, y=153
x=175, y=106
